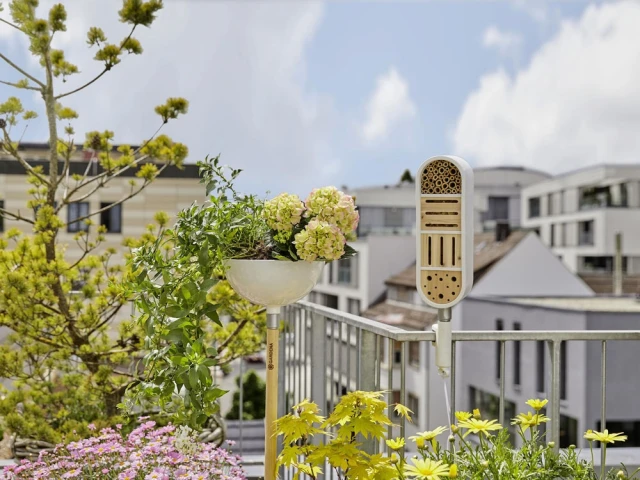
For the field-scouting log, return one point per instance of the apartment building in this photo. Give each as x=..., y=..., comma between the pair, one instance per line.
x=577, y=215
x=497, y=194
x=172, y=191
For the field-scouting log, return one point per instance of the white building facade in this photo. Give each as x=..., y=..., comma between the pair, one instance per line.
x=578, y=214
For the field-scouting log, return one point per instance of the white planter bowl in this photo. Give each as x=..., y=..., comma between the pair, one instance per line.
x=272, y=283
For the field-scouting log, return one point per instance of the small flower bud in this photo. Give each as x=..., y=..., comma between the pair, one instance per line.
x=621, y=474
x=454, y=428
x=572, y=447
x=551, y=444
x=420, y=442
x=452, y=439
x=485, y=464
x=394, y=460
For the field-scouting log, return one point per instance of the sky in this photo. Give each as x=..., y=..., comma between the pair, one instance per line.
x=351, y=93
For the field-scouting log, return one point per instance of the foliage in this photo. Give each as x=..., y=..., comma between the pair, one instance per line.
x=407, y=177
x=176, y=280
x=254, y=391
x=361, y=415
x=244, y=226
x=71, y=363
x=146, y=453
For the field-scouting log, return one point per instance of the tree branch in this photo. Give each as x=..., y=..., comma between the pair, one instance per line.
x=106, y=69
x=83, y=86
x=31, y=77
x=13, y=25
x=19, y=86
x=14, y=153
x=16, y=216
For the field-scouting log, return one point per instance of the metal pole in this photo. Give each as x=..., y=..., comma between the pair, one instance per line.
x=617, y=268
x=270, y=452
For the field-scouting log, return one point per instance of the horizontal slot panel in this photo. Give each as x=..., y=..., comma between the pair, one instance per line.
x=440, y=213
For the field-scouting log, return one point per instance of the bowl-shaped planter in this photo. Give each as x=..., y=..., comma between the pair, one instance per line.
x=272, y=283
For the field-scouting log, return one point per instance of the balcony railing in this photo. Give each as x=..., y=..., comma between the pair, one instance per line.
x=326, y=353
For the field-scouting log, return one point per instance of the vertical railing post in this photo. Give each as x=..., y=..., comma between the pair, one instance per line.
x=318, y=361
x=555, y=394
x=368, y=374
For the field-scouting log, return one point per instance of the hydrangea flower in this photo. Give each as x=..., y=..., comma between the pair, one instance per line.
x=148, y=453
x=330, y=205
x=319, y=241
x=283, y=212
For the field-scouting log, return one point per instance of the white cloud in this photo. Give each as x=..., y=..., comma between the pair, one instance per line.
x=504, y=42
x=576, y=103
x=242, y=67
x=389, y=105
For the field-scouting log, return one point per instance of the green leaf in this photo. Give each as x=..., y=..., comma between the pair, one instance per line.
x=174, y=311
x=213, y=394
x=211, y=311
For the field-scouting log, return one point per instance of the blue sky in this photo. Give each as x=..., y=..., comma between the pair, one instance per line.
x=303, y=94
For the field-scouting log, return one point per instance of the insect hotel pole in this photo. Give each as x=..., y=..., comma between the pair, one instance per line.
x=444, y=248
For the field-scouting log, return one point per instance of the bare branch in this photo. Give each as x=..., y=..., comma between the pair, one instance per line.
x=106, y=69
x=67, y=198
x=14, y=153
x=31, y=77
x=83, y=86
x=16, y=216
x=13, y=25
x=27, y=87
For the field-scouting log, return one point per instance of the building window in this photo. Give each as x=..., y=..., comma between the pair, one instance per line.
x=414, y=354
x=498, y=208
x=516, y=357
x=563, y=370
x=534, y=207
x=404, y=295
x=540, y=352
x=569, y=432
x=585, y=233
x=397, y=351
x=604, y=197
x=499, y=327
x=330, y=301
x=552, y=235
x=602, y=264
x=562, y=208
x=353, y=306
x=413, y=403
x=76, y=211
x=393, y=217
x=489, y=406
x=330, y=274
x=550, y=204
x=111, y=218
x=631, y=429
x=563, y=235
x=344, y=271
x=2, y=216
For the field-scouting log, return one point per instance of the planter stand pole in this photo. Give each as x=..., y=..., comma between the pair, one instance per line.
x=271, y=414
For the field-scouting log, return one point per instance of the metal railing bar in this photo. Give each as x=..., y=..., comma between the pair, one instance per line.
x=603, y=415
x=558, y=335
x=358, y=358
x=555, y=393
x=452, y=388
x=390, y=388
x=403, y=389
x=501, y=412
x=332, y=376
x=348, y=358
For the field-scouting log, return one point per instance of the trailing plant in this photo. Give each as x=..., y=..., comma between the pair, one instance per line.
x=177, y=280
x=361, y=417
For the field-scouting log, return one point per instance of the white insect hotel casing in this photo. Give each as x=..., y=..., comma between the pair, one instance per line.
x=444, y=243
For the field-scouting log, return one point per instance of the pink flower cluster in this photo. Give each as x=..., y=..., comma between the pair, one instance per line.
x=148, y=453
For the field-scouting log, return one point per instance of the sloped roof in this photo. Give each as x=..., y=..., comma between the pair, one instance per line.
x=400, y=316
x=602, y=283
x=487, y=251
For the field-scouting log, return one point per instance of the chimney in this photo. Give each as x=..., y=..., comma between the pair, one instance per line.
x=503, y=230
x=617, y=267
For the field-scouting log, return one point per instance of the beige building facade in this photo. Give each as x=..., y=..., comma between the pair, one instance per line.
x=172, y=191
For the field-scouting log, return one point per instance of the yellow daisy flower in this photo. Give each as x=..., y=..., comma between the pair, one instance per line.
x=396, y=444
x=476, y=414
x=474, y=425
x=604, y=437
x=537, y=404
x=426, y=469
x=529, y=419
x=428, y=436
x=462, y=416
